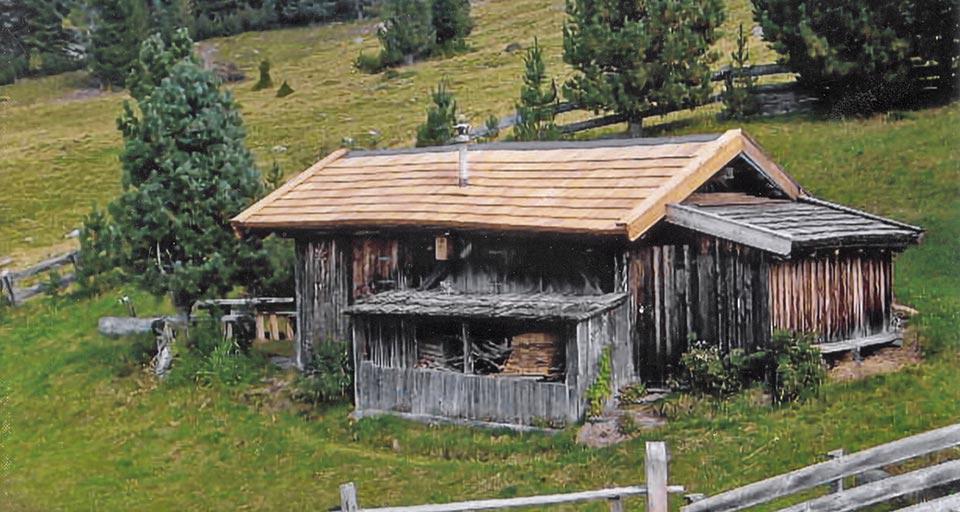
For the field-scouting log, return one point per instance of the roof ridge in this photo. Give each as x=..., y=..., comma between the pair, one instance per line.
x=544, y=145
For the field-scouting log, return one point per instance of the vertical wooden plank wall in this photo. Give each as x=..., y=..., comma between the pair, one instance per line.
x=711, y=290
x=322, y=291
x=608, y=329
x=835, y=296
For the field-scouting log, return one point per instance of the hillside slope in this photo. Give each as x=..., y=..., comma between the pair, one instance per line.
x=59, y=142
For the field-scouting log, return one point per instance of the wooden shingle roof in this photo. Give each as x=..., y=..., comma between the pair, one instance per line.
x=607, y=187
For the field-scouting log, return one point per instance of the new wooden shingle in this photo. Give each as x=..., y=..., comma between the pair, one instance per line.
x=609, y=187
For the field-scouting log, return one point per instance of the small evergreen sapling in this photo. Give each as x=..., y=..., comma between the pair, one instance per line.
x=114, y=40
x=284, y=90
x=538, y=100
x=265, y=82
x=739, y=99
x=440, y=127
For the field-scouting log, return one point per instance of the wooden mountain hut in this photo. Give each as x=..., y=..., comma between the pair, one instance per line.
x=485, y=282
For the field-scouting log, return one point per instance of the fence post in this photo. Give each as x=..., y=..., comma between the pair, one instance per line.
x=616, y=504
x=348, y=498
x=6, y=282
x=655, y=465
x=837, y=484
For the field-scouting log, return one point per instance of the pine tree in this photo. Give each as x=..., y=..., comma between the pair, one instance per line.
x=407, y=31
x=186, y=172
x=842, y=49
x=33, y=31
x=156, y=58
x=538, y=100
x=440, y=127
x=451, y=21
x=634, y=56
x=116, y=38
x=739, y=100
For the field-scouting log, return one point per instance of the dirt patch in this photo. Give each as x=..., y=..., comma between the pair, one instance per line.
x=878, y=361
x=617, y=427
x=85, y=93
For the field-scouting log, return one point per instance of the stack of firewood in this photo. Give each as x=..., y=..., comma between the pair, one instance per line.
x=534, y=353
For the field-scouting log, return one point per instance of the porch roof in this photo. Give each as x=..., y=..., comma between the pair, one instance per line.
x=537, y=306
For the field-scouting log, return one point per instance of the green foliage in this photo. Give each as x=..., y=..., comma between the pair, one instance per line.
x=157, y=56
x=798, y=368
x=115, y=39
x=739, y=100
x=284, y=90
x=627, y=424
x=709, y=371
x=794, y=367
x=631, y=57
x=186, y=172
x=280, y=260
x=538, y=100
x=861, y=54
x=368, y=63
x=632, y=394
x=601, y=390
x=35, y=39
x=53, y=284
x=451, y=21
x=329, y=377
x=273, y=179
x=208, y=359
x=99, y=253
x=407, y=31
x=265, y=82
x=440, y=126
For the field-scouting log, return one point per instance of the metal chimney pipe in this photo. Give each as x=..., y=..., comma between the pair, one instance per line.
x=464, y=175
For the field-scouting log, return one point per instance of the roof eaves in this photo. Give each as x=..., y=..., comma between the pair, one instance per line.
x=240, y=223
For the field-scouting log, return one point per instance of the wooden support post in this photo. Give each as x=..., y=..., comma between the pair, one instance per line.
x=655, y=465
x=6, y=287
x=616, y=504
x=348, y=498
x=836, y=485
x=467, y=351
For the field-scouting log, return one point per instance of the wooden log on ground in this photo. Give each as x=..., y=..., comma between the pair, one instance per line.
x=115, y=326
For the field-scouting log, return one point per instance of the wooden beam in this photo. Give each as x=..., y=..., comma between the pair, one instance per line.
x=826, y=472
x=655, y=465
x=527, y=501
x=882, y=490
x=951, y=502
x=858, y=343
x=467, y=349
x=755, y=155
x=702, y=221
x=713, y=157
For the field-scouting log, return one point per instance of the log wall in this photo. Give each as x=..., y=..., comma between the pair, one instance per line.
x=834, y=296
x=608, y=329
x=461, y=396
x=705, y=289
x=322, y=291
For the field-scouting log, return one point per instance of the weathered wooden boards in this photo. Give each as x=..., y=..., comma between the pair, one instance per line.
x=949, y=503
x=323, y=270
x=848, y=465
x=448, y=394
x=711, y=289
x=8, y=279
x=838, y=296
x=656, y=490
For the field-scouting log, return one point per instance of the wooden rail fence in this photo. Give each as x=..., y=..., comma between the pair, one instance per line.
x=10, y=278
x=656, y=492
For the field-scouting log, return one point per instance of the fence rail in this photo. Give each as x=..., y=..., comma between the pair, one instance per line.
x=16, y=295
x=655, y=490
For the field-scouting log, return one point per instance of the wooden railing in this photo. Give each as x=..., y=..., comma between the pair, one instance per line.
x=834, y=471
x=656, y=492
x=9, y=279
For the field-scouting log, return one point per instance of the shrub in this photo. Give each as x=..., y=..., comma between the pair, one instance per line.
x=627, y=424
x=602, y=388
x=53, y=284
x=632, y=394
x=265, y=82
x=329, y=378
x=844, y=48
x=368, y=63
x=798, y=368
x=536, y=109
x=284, y=90
x=98, y=255
x=451, y=21
x=407, y=31
x=707, y=370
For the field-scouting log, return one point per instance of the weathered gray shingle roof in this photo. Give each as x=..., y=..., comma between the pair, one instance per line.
x=782, y=226
x=541, y=306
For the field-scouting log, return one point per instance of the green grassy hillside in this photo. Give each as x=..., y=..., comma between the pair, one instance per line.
x=82, y=426
x=59, y=142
